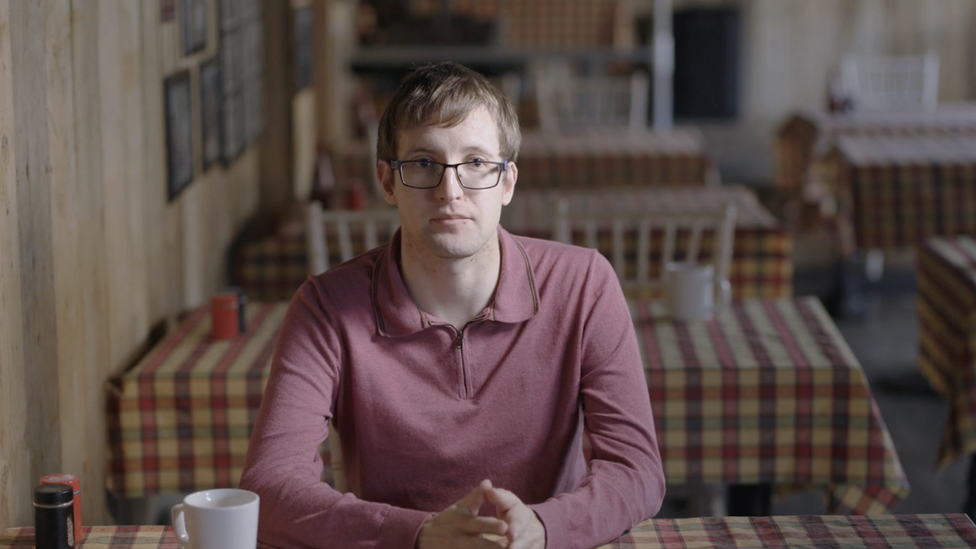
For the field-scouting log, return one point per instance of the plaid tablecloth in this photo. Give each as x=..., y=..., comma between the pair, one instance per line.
x=273, y=266
x=762, y=262
x=614, y=159
x=584, y=159
x=550, y=23
x=946, y=268
x=838, y=532
x=807, y=135
x=896, y=191
x=767, y=392
x=180, y=420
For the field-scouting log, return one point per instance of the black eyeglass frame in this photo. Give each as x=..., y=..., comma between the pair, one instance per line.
x=398, y=166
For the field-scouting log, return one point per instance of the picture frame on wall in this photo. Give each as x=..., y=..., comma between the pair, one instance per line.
x=229, y=13
x=211, y=98
x=304, y=19
x=179, y=133
x=194, y=26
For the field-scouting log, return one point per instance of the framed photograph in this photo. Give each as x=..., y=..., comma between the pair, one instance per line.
x=229, y=14
x=252, y=50
x=194, y=25
x=211, y=98
x=233, y=128
x=179, y=133
x=230, y=69
x=253, y=110
x=304, y=19
x=167, y=10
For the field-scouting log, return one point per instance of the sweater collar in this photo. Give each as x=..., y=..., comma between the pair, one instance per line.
x=516, y=296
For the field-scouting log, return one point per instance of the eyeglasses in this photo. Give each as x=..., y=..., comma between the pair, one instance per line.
x=427, y=174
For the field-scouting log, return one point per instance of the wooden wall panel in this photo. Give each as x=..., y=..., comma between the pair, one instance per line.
x=91, y=252
x=34, y=231
x=14, y=462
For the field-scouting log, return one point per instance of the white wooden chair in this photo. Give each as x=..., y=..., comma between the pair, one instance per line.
x=355, y=232
x=567, y=101
x=626, y=239
x=891, y=82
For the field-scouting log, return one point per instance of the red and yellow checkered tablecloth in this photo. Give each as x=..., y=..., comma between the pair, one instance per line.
x=762, y=262
x=807, y=135
x=274, y=266
x=547, y=23
x=180, y=420
x=896, y=191
x=593, y=159
x=946, y=304
x=596, y=160
x=767, y=392
x=952, y=531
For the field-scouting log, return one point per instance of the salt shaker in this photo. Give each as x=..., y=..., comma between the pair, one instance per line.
x=54, y=516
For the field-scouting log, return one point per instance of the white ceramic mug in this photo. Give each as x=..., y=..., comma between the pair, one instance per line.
x=690, y=290
x=224, y=518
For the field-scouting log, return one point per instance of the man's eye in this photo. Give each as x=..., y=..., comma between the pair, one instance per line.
x=424, y=163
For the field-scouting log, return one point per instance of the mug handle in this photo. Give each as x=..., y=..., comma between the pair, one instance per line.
x=179, y=525
x=725, y=289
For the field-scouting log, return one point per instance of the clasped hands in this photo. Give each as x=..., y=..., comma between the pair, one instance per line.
x=460, y=527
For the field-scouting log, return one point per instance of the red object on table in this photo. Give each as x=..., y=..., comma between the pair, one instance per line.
x=224, y=316
x=75, y=483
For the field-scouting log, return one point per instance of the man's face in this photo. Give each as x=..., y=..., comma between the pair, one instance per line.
x=449, y=221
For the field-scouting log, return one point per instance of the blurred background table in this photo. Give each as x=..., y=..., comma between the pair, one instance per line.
x=946, y=305
x=180, y=420
x=273, y=265
x=893, y=192
x=767, y=393
x=807, y=135
x=762, y=262
x=838, y=532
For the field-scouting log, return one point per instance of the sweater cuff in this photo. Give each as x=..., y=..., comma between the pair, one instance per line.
x=401, y=528
x=557, y=531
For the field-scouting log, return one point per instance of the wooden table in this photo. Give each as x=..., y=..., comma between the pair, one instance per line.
x=273, y=266
x=807, y=135
x=767, y=393
x=838, y=532
x=180, y=420
x=893, y=192
x=946, y=268
x=762, y=262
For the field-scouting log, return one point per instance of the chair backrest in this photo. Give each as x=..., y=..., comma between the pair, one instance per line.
x=567, y=101
x=349, y=232
x=640, y=244
x=891, y=82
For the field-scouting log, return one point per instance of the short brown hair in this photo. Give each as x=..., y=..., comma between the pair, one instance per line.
x=443, y=94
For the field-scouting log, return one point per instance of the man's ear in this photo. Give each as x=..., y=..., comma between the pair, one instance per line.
x=511, y=177
x=385, y=175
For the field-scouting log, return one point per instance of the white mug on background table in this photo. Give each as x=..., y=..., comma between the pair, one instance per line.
x=224, y=518
x=690, y=291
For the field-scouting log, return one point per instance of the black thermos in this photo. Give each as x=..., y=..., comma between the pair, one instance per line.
x=54, y=516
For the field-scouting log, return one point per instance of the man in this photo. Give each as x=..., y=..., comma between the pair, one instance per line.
x=460, y=364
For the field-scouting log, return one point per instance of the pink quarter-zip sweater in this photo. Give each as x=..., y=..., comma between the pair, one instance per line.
x=425, y=411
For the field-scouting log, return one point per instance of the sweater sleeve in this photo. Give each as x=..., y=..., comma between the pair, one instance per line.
x=283, y=465
x=625, y=484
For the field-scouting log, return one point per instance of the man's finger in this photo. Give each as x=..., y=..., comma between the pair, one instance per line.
x=502, y=499
x=473, y=501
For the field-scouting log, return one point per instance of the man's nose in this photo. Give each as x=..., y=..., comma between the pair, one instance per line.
x=450, y=187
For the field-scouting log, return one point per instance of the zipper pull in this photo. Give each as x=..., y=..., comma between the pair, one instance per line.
x=460, y=339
